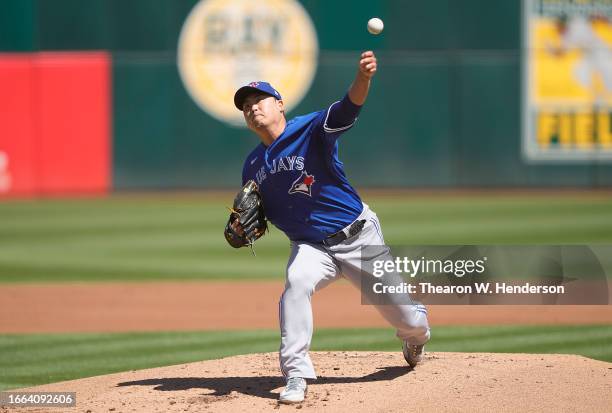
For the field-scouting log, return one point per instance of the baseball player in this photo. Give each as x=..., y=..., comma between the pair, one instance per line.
x=578, y=33
x=307, y=195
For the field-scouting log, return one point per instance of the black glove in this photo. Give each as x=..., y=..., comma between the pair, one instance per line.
x=247, y=221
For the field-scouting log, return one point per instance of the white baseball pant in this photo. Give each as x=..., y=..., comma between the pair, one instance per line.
x=312, y=267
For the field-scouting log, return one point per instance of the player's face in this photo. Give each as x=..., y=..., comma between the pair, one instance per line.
x=261, y=110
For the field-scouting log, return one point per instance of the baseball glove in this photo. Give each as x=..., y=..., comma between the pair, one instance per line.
x=247, y=221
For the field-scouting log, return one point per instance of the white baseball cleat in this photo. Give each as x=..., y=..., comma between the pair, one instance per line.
x=294, y=392
x=413, y=353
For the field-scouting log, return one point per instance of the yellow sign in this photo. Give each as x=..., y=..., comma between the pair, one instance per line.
x=568, y=80
x=225, y=44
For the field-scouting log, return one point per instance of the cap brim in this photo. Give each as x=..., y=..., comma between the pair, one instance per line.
x=243, y=92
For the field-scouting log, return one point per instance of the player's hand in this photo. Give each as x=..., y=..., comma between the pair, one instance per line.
x=367, y=64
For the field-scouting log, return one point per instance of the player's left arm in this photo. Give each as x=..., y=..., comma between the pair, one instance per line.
x=341, y=115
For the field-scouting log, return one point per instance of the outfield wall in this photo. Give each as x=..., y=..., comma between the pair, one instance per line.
x=444, y=111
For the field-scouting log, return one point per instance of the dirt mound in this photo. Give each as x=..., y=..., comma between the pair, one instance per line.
x=357, y=382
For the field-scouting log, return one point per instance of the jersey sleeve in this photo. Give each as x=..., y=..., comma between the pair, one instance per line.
x=247, y=170
x=340, y=117
x=244, y=173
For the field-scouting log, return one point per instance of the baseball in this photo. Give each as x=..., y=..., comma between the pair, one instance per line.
x=375, y=25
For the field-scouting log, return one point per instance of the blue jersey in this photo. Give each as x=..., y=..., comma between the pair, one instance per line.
x=305, y=191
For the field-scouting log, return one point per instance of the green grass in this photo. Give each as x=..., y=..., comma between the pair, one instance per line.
x=27, y=360
x=168, y=237
x=180, y=237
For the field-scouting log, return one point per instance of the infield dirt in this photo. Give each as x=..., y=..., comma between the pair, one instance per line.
x=180, y=306
x=356, y=382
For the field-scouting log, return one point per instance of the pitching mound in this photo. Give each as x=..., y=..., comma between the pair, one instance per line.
x=357, y=382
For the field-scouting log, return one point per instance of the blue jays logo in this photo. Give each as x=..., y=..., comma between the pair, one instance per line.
x=254, y=84
x=303, y=184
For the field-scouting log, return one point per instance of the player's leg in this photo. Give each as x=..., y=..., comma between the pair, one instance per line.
x=410, y=320
x=309, y=269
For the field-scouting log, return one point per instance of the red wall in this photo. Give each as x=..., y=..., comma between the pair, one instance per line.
x=55, y=127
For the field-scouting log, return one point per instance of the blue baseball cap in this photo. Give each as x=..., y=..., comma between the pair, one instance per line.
x=254, y=87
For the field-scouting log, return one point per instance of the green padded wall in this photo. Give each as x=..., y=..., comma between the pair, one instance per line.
x=444, y=110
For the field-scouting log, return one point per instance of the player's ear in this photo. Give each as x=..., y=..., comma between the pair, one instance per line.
x=281, y=105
